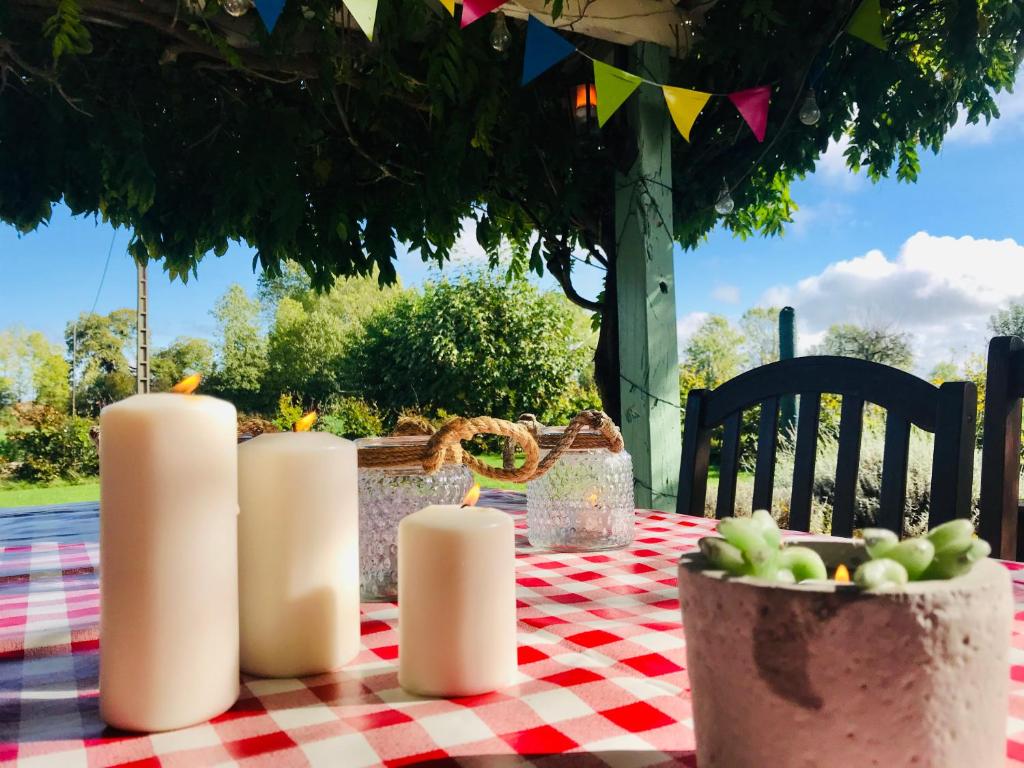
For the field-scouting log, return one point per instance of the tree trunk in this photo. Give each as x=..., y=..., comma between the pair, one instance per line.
x=606, y=356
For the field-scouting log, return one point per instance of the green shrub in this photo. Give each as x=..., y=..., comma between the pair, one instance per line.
x=289, y=410
x=350, y=417
x=473, y=346
x=54, y=446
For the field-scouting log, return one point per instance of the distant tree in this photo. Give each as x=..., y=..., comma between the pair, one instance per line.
x=760, y=328
x=183, y=357
x=1009, y=321
x=100, y=363
x=31, y=366
x=943, y=371
x=241, y=360
x=879, y=344
x=305, y=351
x=714, y=354
x=477, y=345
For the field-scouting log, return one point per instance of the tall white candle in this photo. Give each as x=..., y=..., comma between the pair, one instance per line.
x=169, y=568
x=298, y=553
x=456, y=601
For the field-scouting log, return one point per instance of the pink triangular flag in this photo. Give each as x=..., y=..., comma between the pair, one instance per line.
x=753, y=105
x=474, y=9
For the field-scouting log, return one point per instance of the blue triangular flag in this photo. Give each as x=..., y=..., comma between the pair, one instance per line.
x=270, y=11
x=544, y=49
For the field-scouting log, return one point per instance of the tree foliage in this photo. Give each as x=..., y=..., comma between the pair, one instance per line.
x=98, y=347
x=241, y=360
x=879, y=344
x=32, y=367
x=1008, y=321
x=196, y=128
x=183, y=357
x=714, y=353
x=475, y=346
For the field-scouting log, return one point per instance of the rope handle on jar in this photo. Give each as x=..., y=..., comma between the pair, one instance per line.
x=450, y=436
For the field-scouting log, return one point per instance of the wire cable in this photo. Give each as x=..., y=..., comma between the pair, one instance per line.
x=103, y=277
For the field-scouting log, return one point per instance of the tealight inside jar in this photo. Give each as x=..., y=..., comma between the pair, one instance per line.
x=585, y=502
x=392, y=485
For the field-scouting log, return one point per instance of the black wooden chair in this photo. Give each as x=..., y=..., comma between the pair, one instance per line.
x=1000, y=453
x=947, y=411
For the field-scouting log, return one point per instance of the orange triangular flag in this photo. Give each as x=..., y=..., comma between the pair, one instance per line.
x=450, y=6
x=684, y=105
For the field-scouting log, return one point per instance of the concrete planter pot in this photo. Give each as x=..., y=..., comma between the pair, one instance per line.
x=824, y=674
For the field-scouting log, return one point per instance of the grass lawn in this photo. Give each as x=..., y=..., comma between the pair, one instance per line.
x=22, y=495
x=494, y=460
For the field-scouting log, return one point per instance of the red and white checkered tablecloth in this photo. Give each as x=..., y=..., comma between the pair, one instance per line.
x=601, y=681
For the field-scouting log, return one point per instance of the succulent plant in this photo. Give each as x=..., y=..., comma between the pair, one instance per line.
x=948, y=550
x=752, y=546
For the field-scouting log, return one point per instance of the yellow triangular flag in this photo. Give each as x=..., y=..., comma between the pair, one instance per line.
x=365, y=14
x=613, y=86
x=450, y=5
x=684, y=105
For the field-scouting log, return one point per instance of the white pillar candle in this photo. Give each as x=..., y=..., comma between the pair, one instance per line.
x=298, y=538
x=456, y=601
x=169, y=567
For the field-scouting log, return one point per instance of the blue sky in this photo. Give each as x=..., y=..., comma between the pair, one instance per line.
x=930, y=258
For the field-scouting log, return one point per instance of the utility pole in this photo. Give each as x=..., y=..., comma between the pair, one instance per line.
x=142, y=331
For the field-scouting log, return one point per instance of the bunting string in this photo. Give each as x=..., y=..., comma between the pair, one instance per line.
x=545, y=48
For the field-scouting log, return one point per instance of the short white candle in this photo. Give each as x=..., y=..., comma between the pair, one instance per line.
x=456, y=601
x=169, y=568
x=298, y=553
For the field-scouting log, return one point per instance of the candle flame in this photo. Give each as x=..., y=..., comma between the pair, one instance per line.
x=305, y=423
x=592, y=499
x=187, y=385
x=842, y=574
x=472, y=496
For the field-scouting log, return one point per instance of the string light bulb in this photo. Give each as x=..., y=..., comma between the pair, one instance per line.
x=236, y=7
x=724, y=204
x=500, y=36
x=810, y=114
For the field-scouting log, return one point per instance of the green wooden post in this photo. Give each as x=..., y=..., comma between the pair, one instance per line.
x=648, y=351
x=787, y=351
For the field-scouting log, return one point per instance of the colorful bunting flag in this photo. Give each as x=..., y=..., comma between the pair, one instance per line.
x=684, y=105
x=450, y=6
x=474, y=9
x=544, y=49
x=269, y=11
x=753, y=105
x=365, y=14
x=613, y=86
x=866, y=23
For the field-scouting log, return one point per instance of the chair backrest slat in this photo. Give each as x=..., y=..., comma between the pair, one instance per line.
x=953, y=456
x=893, y=494
x=729, y=466
x=767, y=445
x=693, y=468
x=803, y=461
x=851, y=427
x=1000, y=452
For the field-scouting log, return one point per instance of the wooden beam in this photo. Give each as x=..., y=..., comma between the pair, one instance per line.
x=617, y=21
x=648, y=352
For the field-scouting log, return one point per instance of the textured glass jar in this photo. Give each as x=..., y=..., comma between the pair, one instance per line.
x=388, y=494
x=584, y=503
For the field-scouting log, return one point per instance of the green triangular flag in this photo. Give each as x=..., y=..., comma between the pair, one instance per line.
x=613, y=87
x=866, y=23
x=365, y=14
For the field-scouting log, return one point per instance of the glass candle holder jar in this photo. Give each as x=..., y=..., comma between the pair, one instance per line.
x=386, y=495
x=584, y=503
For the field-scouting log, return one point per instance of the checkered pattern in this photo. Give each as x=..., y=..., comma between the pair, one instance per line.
x=601, y=672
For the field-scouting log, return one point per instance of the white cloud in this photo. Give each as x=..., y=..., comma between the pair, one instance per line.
x=942, y=290
x=725, y=293
x=827, y=213
x=1010, y=121
x=687, y=325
